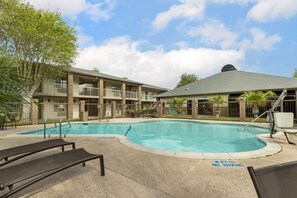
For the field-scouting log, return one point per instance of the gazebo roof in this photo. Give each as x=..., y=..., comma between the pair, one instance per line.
x=233, y=82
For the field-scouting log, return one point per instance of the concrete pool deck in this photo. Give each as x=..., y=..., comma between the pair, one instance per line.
x=135, y=173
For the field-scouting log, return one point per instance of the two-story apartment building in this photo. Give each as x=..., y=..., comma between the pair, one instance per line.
x=96, y=92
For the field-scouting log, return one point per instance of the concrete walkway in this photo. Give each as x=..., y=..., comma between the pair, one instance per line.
x=133, y=173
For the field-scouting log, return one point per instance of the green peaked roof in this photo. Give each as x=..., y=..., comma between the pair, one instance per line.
x=233, y=82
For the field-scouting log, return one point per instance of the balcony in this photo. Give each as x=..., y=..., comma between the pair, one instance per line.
x=131, y=95
x=55, y=89
x=89, y=91
x=112, y=93
x=148, y=97
x=60, y=88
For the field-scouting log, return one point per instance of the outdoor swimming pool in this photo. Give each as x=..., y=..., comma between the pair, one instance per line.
x=179, y=136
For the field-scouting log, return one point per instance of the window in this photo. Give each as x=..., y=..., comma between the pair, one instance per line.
x=60, y=83
x=59, y=106
x=116, y=91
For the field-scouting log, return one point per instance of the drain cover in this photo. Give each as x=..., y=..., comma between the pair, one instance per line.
x=224, y=163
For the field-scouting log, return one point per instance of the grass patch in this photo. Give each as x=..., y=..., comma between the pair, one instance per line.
x=178, y=116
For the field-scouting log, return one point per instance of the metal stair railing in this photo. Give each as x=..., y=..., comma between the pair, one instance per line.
x=270, y=113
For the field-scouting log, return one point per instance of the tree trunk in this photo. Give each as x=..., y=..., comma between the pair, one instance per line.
x=256, y=111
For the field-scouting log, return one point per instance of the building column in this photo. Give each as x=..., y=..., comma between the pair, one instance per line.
x=34, y=112
x=101, y=98
x=70, y=95
x=197, y=108
x=113, y=109
x=139, y=97
x=295, y=104
x=136, y=106
x=194, y=109
x=123, y=99
x=242, y=108
x=82, y=113
x=160, y=104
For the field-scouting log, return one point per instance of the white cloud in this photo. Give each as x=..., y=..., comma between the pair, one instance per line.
x=97, y=12
x=260, y=40
x=73, y=8
x=84, y=40
x=182, y=44
x=240, y=2
x=214, y=32
x=122, y=56
x=270, y=10
x=187, y=9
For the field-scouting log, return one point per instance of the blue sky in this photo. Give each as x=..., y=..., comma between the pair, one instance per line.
x=155, y=41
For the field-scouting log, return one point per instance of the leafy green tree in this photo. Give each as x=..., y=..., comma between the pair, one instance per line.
x=295, y=74
x=178, y=103
x=218, y=101
x=42, y=45
x=256, y=99
x=95, y=69
x=186, y=79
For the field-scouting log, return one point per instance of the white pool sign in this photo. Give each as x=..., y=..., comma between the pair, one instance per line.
x=224, y=163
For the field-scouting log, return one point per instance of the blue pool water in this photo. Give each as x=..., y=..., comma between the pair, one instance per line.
x=180, y=136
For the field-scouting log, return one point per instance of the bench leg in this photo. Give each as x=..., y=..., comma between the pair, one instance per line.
x=288, y=139
x=102, y=166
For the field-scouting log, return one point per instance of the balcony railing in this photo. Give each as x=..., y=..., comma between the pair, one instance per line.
x=131, y=94
x=148, y=97
x=88, y=91
x=112, y=93
x=55, y=89
x=60, y=88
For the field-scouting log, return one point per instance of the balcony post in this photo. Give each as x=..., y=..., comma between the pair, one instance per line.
x=139, y=97
x=70, y=95
x=136, y=106
x=160, y=108
x=82, y=113
x=101, y=98
x=123, y=99
x=113, y=109
x=295, y=113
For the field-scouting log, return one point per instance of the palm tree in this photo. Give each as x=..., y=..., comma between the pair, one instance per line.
x=256, y=99
x=12, y=86
x=177, y=103
x=218, y=101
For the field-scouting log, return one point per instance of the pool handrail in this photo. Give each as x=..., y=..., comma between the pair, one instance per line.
x=128, y=130
x=246, y=126
x=66, y=131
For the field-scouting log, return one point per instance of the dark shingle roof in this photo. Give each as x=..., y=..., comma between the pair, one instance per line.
x=233, y=82
x=110, y=77
x=96, y=74
x=154, y=87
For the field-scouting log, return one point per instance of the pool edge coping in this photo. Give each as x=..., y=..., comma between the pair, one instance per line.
x=271, y=147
